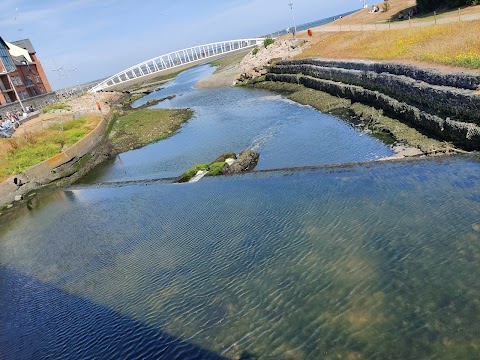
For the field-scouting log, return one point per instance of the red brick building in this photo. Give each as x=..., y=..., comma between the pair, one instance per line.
x=28, y=76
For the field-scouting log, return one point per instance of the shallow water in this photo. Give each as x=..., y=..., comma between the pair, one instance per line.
x=361, y=262
x=235, y=119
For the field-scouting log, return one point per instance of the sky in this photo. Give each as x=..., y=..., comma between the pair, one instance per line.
x=79, y=41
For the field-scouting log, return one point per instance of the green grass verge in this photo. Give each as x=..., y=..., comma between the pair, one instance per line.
x=141, y=127
x=19, y=154
x=56, y=106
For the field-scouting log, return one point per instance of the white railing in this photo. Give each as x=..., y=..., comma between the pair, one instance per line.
x=177, y=59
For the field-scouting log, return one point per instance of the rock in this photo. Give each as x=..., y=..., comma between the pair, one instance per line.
x=224, y=157
x=246, y=161
x=18, y=197
x=476, y=227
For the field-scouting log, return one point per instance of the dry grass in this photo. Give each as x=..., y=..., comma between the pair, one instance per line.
x=363, y=17
x=456, y=44
x=30, y=148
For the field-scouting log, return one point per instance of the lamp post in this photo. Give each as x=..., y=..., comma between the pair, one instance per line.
x=16, y=94
x=293, y=18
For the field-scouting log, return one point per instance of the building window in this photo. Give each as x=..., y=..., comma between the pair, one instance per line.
x=28, y=80
x=6, y=59
x=16, y=80
x=23, y=94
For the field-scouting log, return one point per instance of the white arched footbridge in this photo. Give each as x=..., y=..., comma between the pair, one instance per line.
x=175, y=60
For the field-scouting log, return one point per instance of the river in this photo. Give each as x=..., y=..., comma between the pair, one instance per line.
x=376, y=261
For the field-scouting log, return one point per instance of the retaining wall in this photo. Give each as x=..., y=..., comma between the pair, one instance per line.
x=55, y=168
x=413, y=95
x=37, y=102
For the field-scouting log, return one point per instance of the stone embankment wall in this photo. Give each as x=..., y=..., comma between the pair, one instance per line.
x=442, y=104
x=37, y=102
x=57, y=167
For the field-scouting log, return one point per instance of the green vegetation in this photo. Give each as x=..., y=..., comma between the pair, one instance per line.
x=430, y=5
x=216, y=168
x=450, y=44
x=141, y=127
x=20, y=153
x=225, y=156
x=267, y=42
x=255, y=50
x=56, y=106
x=190, y=173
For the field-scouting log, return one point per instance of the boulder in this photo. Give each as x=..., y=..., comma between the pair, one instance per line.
x=247, y=160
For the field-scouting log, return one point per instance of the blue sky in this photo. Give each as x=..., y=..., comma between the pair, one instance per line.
x=91, y=39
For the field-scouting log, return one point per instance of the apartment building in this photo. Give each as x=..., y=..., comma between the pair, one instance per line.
x=21, y=73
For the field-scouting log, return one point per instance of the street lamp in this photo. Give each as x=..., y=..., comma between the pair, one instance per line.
x=293, y=18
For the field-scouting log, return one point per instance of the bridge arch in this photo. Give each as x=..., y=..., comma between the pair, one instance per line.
x=174, y=60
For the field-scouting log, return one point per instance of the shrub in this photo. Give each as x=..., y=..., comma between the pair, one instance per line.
x=430, y=5
x=267, y=42
x=255, y=51
x=385, y=6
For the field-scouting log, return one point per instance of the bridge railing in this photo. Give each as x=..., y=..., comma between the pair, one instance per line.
x=176, y=59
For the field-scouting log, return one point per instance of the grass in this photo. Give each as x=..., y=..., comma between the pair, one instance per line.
x=56, y=106
x=141, y=127
x=20, y=153
x=267, y=42
x=455, y=44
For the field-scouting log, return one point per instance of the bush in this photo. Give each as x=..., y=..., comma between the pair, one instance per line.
x=267, y=42
x=255, y=51
x=430, y=5
x=385, y=6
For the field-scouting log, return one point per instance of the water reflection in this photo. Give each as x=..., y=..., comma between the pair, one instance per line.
x=363, y=262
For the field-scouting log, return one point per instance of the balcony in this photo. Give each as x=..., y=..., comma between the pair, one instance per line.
x=5, y=89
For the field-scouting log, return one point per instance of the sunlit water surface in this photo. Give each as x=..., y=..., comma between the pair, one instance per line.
x=235, y=119
x=372, y=262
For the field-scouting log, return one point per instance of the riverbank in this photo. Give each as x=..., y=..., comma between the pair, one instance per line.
x=120, y=129
x=228, y=70
x=131, y=129
x=409, y=141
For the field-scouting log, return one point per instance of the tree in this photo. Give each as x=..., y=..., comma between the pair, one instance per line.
x=430, y=5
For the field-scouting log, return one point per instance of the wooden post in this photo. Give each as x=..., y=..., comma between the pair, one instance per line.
x=458, y=14
x=435, y=16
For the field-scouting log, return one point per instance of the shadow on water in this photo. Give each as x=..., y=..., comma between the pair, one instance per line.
x=33, y=326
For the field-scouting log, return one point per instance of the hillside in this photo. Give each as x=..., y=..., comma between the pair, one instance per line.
x=451, y=43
